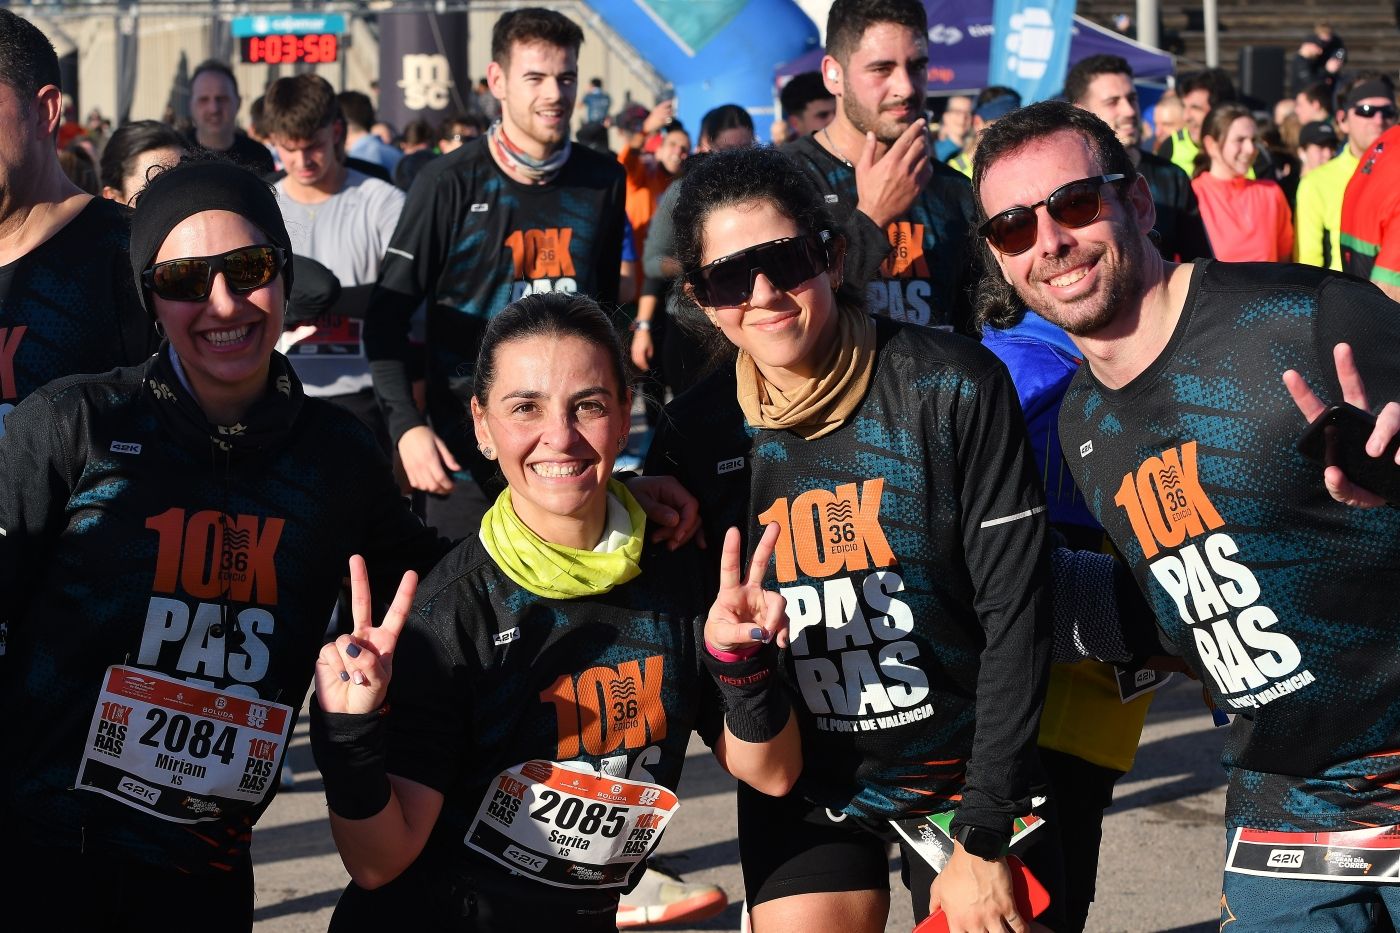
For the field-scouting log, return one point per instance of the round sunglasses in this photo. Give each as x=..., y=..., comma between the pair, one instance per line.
x=1074, y=204
x=787, y=263
x=246, y=269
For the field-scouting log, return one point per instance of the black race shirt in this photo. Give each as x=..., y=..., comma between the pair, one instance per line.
x=1278, y=597
x=471, y=240
x=70, y=306
x=920, y=268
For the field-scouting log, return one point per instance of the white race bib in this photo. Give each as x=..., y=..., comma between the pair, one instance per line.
x=181, y=752
x=1360, y=856
x=570, y=829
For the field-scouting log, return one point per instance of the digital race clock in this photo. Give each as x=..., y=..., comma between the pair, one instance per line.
x=286, y=48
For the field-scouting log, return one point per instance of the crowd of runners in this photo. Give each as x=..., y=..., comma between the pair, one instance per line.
x=968, y=421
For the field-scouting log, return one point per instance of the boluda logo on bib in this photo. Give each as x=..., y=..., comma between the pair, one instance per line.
x=1192, y=558
x=852, y=657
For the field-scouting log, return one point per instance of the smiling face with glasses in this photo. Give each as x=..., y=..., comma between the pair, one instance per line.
x=769, y=288
x=217, y=289
x=1067, y=237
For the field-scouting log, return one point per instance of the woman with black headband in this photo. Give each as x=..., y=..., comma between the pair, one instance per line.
x=172, y=538
x=911, y=553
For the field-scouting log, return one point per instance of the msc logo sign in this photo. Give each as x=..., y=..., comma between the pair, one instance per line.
x=1286, y=858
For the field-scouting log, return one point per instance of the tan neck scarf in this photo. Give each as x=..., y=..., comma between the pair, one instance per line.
x=820, y=405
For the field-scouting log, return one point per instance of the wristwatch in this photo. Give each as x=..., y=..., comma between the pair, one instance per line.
x=987, y=844
x=639, y=325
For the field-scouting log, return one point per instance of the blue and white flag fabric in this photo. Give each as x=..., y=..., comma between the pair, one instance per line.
x=1030, y=47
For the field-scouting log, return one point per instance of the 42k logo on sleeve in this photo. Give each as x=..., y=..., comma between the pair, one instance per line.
x=204, y=559
x=853, y=660
x=1215, y=595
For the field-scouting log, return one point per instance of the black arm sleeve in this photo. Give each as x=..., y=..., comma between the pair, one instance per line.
x=1004, y=538
x=409, y=272
x=609, y=272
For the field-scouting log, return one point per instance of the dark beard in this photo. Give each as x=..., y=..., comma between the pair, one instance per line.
x=868, y=121
x=1124, y=288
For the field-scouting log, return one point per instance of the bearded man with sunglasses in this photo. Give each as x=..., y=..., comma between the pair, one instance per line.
x=67, y=302
x=1180, y=430
x=1366, y=109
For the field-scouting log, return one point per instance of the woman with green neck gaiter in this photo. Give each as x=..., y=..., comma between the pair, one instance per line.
x=553, y=666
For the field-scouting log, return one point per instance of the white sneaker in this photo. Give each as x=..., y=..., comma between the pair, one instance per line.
x=663, y=898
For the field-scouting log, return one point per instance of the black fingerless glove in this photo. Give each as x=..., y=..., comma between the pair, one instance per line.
x=349, y=750
x=756, y=707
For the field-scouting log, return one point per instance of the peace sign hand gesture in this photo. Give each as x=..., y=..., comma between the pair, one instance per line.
x=744, y=614
x=352, y=673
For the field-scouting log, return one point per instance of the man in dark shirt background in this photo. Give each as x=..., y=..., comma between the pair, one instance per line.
x=1103, y=85
x=68, y=303
x=214, y=103
x=519, y=211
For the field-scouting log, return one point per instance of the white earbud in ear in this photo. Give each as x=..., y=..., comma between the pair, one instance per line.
x=831, y=73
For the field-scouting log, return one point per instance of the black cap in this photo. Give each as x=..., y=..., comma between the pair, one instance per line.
x=1318, y=133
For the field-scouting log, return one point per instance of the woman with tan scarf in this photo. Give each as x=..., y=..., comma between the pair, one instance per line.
x=911, y=552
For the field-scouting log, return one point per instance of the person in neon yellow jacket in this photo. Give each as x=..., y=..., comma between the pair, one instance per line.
x=1366, y=109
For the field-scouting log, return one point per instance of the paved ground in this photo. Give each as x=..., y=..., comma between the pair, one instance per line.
x=1160, y=870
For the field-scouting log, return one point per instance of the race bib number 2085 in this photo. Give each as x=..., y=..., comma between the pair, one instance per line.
x=567, y=828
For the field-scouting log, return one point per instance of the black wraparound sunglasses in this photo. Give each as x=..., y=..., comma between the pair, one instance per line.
x=1074, y=204
x=246, y=269
x=787, y=262
x=1367, y=111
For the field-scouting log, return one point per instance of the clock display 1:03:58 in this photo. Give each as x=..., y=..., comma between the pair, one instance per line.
x=312, y=49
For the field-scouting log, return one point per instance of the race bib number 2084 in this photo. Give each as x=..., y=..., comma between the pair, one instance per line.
x=178, y=751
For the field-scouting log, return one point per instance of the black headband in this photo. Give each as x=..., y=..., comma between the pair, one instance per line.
x=1369, y=89
x=193, y=188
